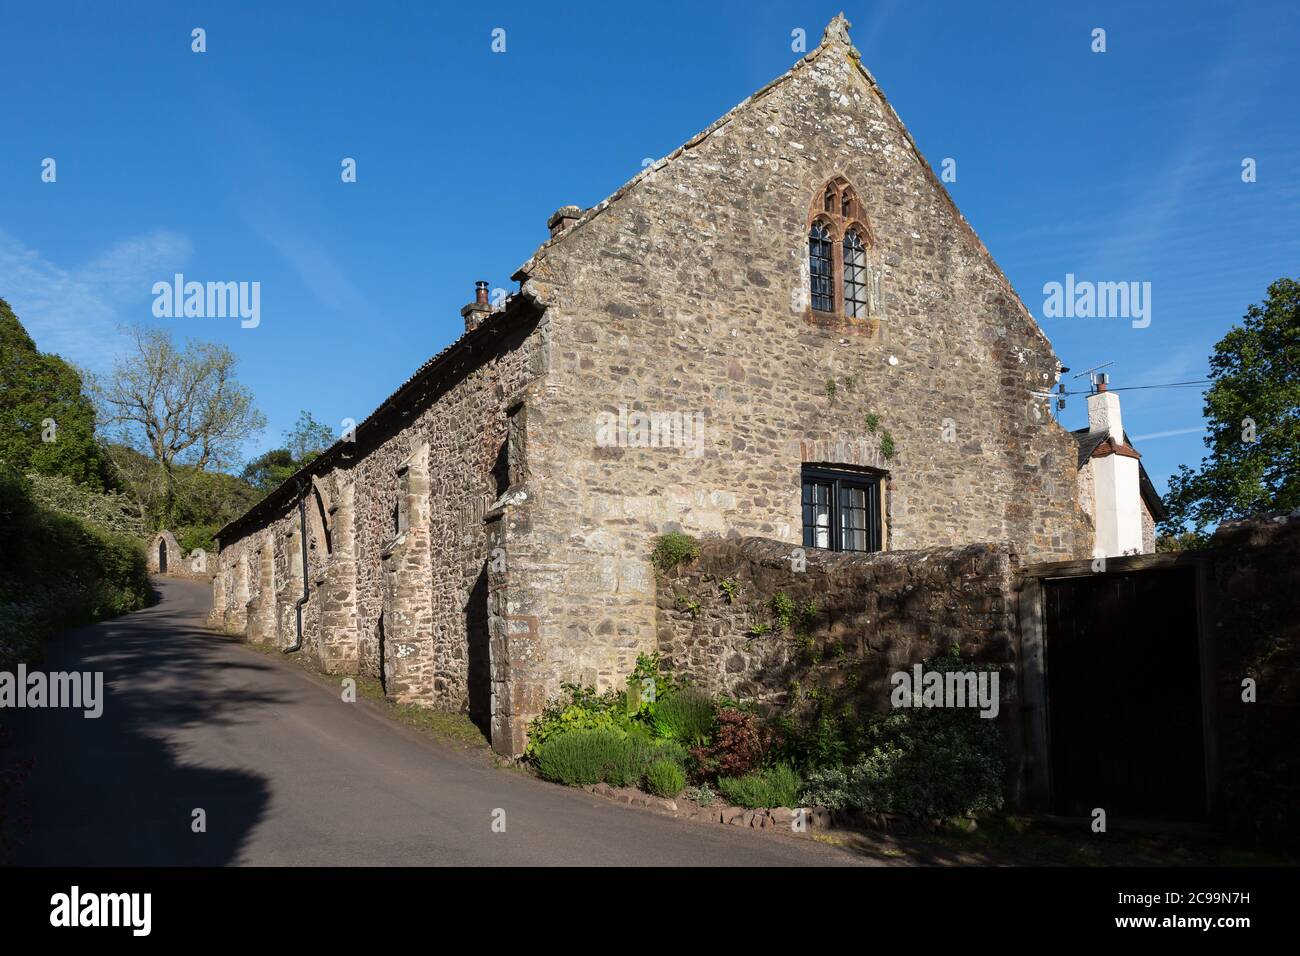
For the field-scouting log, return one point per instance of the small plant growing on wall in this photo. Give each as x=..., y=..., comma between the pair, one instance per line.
x=688, y=605
x=887, y=447
x=759, y=629
x=729, y=589
x=672, y=549
x=806, y=644
x=831, y=389
x=782, y=610
x=807, y=616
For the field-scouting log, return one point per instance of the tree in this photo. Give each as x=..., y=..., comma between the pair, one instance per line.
x=270, y=470
x=180, y=407
x=1253, y=409
x=47, y=424
x=308, y=438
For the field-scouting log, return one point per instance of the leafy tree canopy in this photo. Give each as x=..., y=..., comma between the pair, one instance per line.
x=302, y=443
x=47, y=424
x=270, y=470
x=1253, y=410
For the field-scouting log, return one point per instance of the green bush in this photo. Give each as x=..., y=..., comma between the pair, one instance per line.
x=777, y=786
x=671, y=750
x=58, y=572
x=923, y=762
x=685, y=716
x=578, y=708
x=629, y=760
x=672, y=549
x=110, y=511
x=580, y=758
x=664, y=778
x=193, y=536
x=647, y=685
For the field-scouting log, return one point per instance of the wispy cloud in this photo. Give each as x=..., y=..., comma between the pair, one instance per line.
x=318, y=269
x=76, y=311
x=1170, y=434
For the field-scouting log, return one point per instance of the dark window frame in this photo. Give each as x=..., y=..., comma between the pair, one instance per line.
x=821, y=249
x=837, y=481
x=856, y=266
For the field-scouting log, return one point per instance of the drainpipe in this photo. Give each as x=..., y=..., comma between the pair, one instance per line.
x=306, y=592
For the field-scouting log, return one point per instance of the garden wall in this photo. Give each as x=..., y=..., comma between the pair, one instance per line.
x=856, y=619
x=871, y=615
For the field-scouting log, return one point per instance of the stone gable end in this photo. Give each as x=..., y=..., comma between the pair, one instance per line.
x=678, y=312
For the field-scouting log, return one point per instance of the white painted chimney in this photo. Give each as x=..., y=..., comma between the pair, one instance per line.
x=1117, y=495
x=1103, y=409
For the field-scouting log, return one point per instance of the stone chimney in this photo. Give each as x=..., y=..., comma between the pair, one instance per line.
x=1103, y=409
x=479, y=309
x=1117, y=495
x=562, y=219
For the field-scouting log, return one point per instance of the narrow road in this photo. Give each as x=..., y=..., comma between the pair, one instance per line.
x=289, y=774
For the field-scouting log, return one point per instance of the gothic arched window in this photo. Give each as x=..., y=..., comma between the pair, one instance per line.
x=855, y=276
x=841, y=278
x=820, y=269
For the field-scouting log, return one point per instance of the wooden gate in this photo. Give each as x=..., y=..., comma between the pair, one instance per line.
x=1124, y=702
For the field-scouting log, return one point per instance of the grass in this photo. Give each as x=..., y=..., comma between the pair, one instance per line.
x=455, y=729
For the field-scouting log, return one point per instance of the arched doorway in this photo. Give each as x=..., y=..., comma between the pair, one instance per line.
x=162, y=556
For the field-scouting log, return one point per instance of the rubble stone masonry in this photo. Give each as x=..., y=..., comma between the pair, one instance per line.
x=518, y=556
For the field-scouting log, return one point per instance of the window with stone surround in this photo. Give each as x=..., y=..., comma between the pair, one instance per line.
x=844, y=284
x=819, y=267
x=841, y=510
x=855, y=276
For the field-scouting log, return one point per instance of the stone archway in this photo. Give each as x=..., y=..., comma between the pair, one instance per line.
x=165, y=555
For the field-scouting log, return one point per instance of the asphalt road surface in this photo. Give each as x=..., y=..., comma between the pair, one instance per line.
x=289, y=774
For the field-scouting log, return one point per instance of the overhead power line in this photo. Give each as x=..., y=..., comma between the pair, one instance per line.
x=1137, y=388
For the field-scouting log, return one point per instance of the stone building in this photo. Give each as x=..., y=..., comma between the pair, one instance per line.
x=785, y=329
x=163, y=553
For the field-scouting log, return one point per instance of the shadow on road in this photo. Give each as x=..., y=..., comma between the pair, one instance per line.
x=114, y=790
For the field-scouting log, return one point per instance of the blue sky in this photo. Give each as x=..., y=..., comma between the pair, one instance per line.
x=1120, y=166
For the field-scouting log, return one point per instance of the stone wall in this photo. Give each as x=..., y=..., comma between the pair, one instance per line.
x=858, y=618
x=525, y=560
x=396, y=538
x=686, y=292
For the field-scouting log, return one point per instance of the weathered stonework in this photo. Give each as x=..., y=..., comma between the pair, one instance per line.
x=164, y=554
x=524, y=559
x=871, y=615
x=856, y=620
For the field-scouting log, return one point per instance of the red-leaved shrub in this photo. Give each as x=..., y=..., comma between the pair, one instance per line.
x=738, y=746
